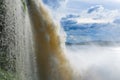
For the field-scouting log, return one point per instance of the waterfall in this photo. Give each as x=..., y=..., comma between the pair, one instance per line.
x=16, y=41
x=52, y=64
x=29, y=43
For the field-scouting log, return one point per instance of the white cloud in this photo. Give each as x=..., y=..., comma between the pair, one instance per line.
x=100, y=24
x=90, y=20
x=98, y=14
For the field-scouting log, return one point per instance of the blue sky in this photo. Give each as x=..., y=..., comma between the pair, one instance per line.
x=79, y=5
x=88, y=20
x=61, y=8
x=82, y=4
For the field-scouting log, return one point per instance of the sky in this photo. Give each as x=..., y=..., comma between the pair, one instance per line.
x=62, y=8
x=82, y=4
x=79, y=5
x=87, y=20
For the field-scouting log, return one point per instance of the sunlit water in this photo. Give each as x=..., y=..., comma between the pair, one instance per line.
x=95, y=62
x=87, y=62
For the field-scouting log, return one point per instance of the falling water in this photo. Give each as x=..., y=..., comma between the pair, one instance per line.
x=30, y=48
x=51, y=61
x=29, y=43
x=17, y=41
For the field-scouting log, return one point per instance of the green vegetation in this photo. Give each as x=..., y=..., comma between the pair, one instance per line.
x=5, y=75
x=3, y=60
x=24, y=5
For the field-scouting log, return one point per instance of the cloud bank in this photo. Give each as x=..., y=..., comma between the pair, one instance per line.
x=94, y=24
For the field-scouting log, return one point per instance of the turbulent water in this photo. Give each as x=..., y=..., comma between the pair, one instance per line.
x=51, y=61
x=30, y=48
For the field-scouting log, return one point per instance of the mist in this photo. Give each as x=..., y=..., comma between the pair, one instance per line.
x=94, y=62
